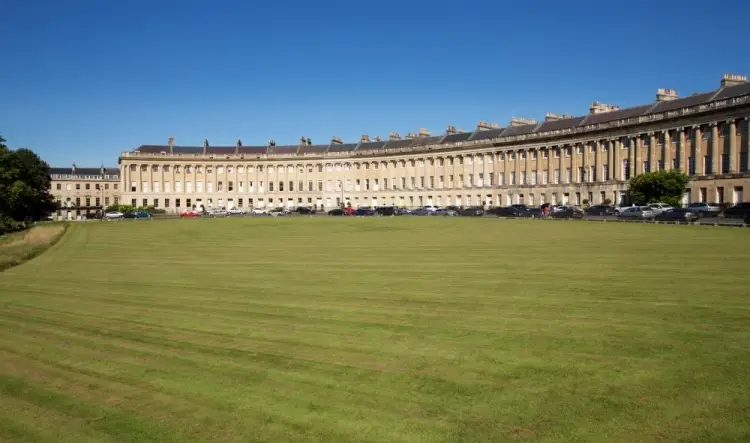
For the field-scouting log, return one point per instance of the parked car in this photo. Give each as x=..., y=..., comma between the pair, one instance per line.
x=237, y=211
x=386, y=210
x=444, y=212
x=277, y=212
x=600, y=210
x=431, y=208
x=190, y=213
x=658, y=208
x=259, y=211
x=304, y=210
x=704, y=209
x=474, y=211
x=510, y=211
x=535, y=212
x=676, y=214
x=740, y=210
x=521, y=207
x=218, y=212
x=350, y=211
x=420, y=211
x=364, y=212
x=636, y=212
x=112, y=215
x=568, y=212
x=337, y=211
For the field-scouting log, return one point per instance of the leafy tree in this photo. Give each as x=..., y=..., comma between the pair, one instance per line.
x=24, y=188
x=660, y=186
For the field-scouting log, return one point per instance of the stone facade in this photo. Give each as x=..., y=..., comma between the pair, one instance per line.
x=562, y=160
x=81, y=191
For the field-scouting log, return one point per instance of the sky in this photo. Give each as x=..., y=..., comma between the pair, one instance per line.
x=84, y=80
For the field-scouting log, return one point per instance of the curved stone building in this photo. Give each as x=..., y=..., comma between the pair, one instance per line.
x=563, y=159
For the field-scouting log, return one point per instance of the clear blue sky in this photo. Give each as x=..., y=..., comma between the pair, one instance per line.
x=83, y=80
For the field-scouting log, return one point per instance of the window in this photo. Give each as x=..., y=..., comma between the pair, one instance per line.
x=567, y=175
x=59, y=186
x=320, y=185
x=144, y=187
x=545, y=176
x=133, y=203
x=177, y=202
x=421, y=182
x=281, y=186
x=270, y=186
x=291, y=186
x=145, y=202
x=78, y=186
x=156, y=187
x=513, y=177
x=557, y=176
x=115, y=186
x=725, y=164
x=329, y=185
x=106, y=201
x=209, y=186
x=97, y=202
x=230, y=186
x=166, y=202
x=88, y=201
x=67, y=187
x=88, y=186
x=743, y=162
x=310, y=186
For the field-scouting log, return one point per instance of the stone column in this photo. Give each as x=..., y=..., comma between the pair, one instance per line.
x=585, y=162
x=747, y=157
x=733, y=146
x=598, y=162
x=549, y=165
x=684, y=151
x=715, y=156
x=561, y=176
x=636, y=165
x=698, y=156
x=574, y=178
x=615, y=147
x=668, y=154
x=654, y=160
x=517, y=166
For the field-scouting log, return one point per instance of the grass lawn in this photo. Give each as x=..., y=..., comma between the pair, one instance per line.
x=17, y=247
x=378, y=330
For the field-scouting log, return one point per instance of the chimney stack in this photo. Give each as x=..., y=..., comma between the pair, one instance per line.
x=665, y=95
x=520, y=121
x=598, y=108
x=733, y=80
x=394, y=136
x=450, y=130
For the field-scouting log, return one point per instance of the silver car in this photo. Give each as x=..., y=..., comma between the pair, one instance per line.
x=658, y=208
x=636, y=212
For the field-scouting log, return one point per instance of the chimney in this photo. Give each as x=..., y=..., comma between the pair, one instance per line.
x=336, y=141
x=520, y=121
x=377, y=138
x=450, y=130
x=394, y=136
x=73, y=169
x=665, y=95
x=364, y=138
x=598, y=108
x=205, y=145
x=102, y=169
x=483, y=125
x=733, y=80
x=410, y=136
x=424, y=132
x=170, y=143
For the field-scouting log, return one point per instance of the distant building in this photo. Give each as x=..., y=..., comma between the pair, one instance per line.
x=81, y=191
x=561, y=160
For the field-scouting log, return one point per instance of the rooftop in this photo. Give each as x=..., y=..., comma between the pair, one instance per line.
x=667, y=100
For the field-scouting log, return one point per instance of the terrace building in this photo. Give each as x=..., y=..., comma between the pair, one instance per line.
x=81, y=191
x=562, y=160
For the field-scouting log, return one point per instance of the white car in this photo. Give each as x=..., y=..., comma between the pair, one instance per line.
x=113, y=215
x=639, y=212
x=259, y=211
x=658, y=208
x=237, y=211
x=218, y=213
x=430, y=208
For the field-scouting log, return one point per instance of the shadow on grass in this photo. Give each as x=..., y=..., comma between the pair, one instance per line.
x=19, y=247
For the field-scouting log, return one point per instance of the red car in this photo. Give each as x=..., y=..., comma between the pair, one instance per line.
x=350, y=211
x=190, y=214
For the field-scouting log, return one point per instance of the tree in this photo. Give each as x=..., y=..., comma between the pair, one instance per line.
x=660, y=186
x=24, y=188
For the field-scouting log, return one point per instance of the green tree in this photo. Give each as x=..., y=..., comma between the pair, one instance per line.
x=24, y=188
x=660, y=186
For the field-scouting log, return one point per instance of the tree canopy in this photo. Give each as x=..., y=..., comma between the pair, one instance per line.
x=660, y=186
x=24, y=188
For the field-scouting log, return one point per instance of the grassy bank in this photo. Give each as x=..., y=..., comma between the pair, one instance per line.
x=378, y=330
x=18, y=247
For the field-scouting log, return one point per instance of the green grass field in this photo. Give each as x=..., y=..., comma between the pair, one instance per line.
x=378, y=330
